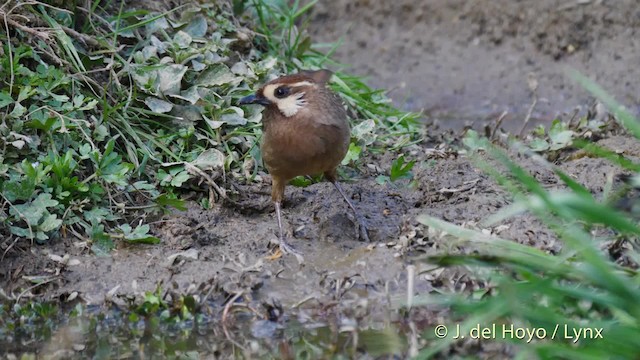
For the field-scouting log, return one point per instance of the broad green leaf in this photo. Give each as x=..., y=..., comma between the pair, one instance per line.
x=539, y=145
x=364, y=131
x=400, y=169
x=191, y=95
x=180, y=179
x=50, y=223
x=156, y=23
x=96, y=215
x=182, y=39
x=353, y=154
x=300, y=181
x=164, y=200
x=24, y=94
x=210, y=159
x=233, y=119
x=5, y=99
x=197, y=27
x=170, y=78
x=19, y=190
x=218, y=74
x=157, y=105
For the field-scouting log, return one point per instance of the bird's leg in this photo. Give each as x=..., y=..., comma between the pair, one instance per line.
x=278, y=206
x=284, y=246
x=277, y=194
x=361, y=228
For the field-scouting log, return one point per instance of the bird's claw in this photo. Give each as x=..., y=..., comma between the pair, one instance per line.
x=285, y=248
x=275, y=255
x=361, y=229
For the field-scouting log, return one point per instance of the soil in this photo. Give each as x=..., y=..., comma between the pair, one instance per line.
x=456, y=60
x=467, y=61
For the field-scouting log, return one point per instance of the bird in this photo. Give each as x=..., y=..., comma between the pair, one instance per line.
x=305, y=132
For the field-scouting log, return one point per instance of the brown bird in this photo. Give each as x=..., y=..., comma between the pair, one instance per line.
x=305, y=132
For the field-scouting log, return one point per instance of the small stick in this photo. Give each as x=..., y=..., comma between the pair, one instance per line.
x=533, y=86
x=33, y=287
x=42, y=35
x=498, y=123
x=528, y=117
x=573, y=117
x=411, y=272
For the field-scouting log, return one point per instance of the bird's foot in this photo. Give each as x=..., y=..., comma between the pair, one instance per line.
x=275, y=254
x=288, y=249
x=362, y=232
x=283, y=249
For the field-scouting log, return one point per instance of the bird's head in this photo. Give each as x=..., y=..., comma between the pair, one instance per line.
x=291, y=93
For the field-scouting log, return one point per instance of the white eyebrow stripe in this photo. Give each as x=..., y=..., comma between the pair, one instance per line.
x=302, y=83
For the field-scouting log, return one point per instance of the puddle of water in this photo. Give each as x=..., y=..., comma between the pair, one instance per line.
x=100, y=333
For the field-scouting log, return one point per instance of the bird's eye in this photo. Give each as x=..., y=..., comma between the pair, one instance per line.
x=282, y=92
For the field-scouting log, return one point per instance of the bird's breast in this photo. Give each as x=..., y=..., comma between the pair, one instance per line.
x=298, y=146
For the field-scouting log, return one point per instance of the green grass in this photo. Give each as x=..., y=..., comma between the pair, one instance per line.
x=109, y=115
x=581, y=287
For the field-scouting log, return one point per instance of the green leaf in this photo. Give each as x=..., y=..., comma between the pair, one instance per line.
x=145, y=240
x=197, y=27
x=5, y=99
x=192, y=95
x=234, y=119
x=382, y=179
x=31, y=213
x=102, y=242
x=24, y=94
x=180, y=178
x=165, y=200
x=19, y=190
x=400, y=169
x=210, y=159
x=40, y=120
x=110, y=165
x=300, y=181
x=559, y=135
x=170, y=78
x=218, y=74
x=50, y=223
x=18, y=111
x=157, y=105
x=364, y=131
x=96, y=215
x=182, y=39
x=21, y=232
x=539, y=145
x=139, y=235
x=100, y=133
x=353, y=154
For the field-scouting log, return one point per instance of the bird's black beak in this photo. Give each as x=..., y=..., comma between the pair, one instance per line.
x=254, y=99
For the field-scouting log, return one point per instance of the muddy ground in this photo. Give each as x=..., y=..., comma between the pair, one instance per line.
x=458, y=61
x=469, y=60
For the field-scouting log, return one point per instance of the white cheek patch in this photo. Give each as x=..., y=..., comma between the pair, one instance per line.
x=289, y=106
